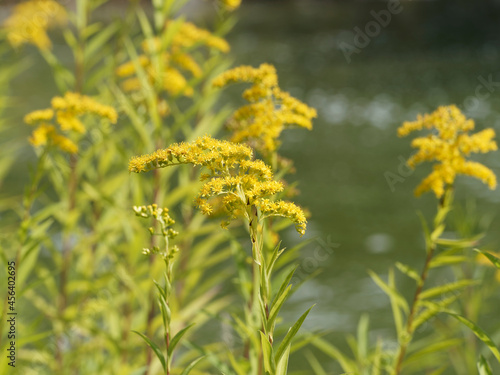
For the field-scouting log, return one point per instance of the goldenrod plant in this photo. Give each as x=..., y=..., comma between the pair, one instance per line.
x=208, y=291
x=449, y=144
x=242, y=187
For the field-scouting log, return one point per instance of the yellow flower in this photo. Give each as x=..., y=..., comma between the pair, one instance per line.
x=66, y=111
x=242, y=183
x=270, y=111
x=449, y=146
x=78, y=105
x=189, y=35
x=231, y=4
x=41, y=135
x=162, y=65
x=30, y=21
x=39, y=116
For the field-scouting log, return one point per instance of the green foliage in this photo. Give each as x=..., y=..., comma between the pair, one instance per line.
x=83, y=285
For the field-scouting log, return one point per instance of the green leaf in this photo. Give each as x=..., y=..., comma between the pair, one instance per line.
x=276, y=253
x=189, y=367
x=315, y=364
x=432, y=348
x=275, y=309
x=100, y=40
x=478, y=332
x=390, y=291
x=347, y=364
x=267, y=350
x=282, y=366
x=493, y=259
x=175, y=340
x=446, y=260
x=156, y=349
x=432, y=309
x=284, y=284
x=438, y=231
x=447, y=288
x=285, y=344
x=408, y=271
x=483, y=367
x=459, y=243
x=362, y=344
x=425, y=227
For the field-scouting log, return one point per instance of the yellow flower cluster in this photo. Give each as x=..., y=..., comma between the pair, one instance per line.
x=30, y=21
x=231, y=4
x=171, y=62
x=270, y=111
x=66, y=112
x=238, y=181
x=449, y=146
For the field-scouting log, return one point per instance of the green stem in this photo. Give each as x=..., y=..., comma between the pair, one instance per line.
x=409, y=324
x=444, y=204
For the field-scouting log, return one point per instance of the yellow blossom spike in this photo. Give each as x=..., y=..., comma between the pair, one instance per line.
x=66, y=112
x=231, y=4
x=270, y=111
x=41, y=115
x=41, y=134
x=188, y=35
x=80, y=104
x=241, y=182
x=186, y=62
x=30, y=21
x=449, y=147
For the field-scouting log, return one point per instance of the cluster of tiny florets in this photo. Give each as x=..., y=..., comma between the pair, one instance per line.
x=30, y=20
x=65, y=112
x=271, y=110
x=449, y=145
x=230, y=4
x=234, y=181
x=164, y=65
x=162, y=216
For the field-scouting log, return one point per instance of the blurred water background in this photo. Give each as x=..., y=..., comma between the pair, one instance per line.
x=432, y=53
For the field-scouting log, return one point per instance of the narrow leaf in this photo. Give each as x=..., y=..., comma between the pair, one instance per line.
x=267, y=350
x=189, y=367
x=156, y=349
x=285, y=344
x=483, y=367
x=282, y=366
x=478, y=332
x=175, y=340
x=493, y=259
x=447, y=288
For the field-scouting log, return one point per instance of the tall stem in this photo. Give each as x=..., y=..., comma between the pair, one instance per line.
x=409, y=324
x=258, y=263
x=442, y=210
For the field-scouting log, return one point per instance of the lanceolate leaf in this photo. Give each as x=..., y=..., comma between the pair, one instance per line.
x=483, y=367
x=391, y=292
x=493, y=259
x=285, y=344
x=478, y=332
x=155, y=348
x=267, y=350
x=277, y=306
x=408, y=271
x=282, y=366
x=447, y=288
x=188, y=369
x=175, y=340
x=446, y=260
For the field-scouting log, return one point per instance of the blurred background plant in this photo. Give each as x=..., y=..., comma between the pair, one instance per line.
x=415, y=64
